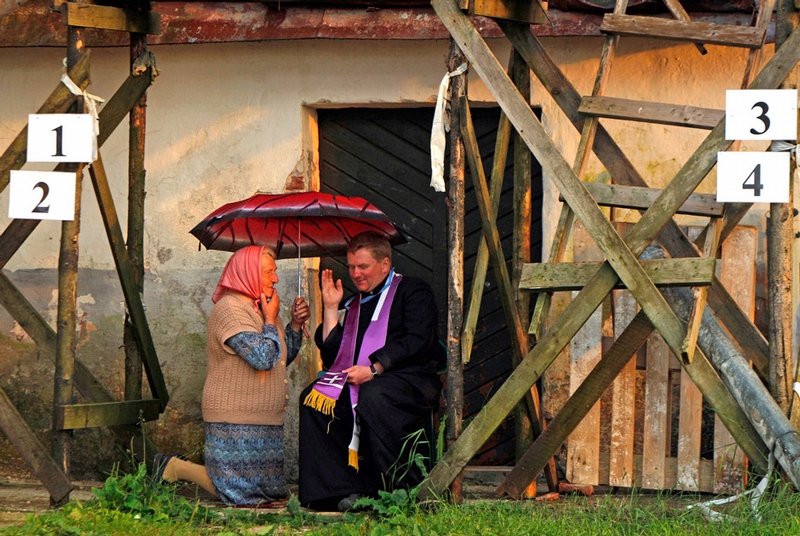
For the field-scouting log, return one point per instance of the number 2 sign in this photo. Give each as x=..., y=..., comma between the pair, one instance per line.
x=42, y=195
x=61, y=138
x=745, y=177
x=761, y=114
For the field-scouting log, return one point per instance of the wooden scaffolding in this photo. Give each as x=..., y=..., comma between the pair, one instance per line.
x=680, y=324
x=98, y=407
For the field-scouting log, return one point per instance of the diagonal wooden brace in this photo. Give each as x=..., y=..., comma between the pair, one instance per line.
x=519, y=343
x=133, y=300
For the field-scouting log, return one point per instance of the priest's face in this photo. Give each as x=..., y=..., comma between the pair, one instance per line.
x=366, y=271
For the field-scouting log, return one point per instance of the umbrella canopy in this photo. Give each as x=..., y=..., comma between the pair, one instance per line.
x=303, y=224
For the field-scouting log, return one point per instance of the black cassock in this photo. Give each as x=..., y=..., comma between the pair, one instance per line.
x=390, y=408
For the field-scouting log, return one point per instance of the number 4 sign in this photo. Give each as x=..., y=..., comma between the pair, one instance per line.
x=42, y=195
x=761, y=114
x=744, y=177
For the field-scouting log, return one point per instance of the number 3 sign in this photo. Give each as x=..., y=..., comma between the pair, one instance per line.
x=761, y=114
x=42, y=195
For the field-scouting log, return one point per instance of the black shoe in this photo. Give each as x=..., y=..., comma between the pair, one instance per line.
x=349, y=503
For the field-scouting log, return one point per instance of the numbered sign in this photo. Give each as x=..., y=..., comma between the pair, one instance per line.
x=61, y=138
x=745, y=177
x=761, y=114
x=42, y=195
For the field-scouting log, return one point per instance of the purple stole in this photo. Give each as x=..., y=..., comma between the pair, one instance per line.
x=326, y=391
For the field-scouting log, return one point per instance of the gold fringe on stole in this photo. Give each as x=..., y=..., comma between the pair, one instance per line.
x=352, y=460
x=318, y=401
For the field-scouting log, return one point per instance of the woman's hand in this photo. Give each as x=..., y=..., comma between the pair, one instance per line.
x=300, y=313
x=270, y=307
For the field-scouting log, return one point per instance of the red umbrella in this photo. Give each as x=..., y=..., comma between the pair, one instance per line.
x=304, y=224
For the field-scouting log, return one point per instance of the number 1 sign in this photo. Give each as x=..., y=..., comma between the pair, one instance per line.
x=42, y=195
x=61, y=138
x=761, y=114
x=752, y=177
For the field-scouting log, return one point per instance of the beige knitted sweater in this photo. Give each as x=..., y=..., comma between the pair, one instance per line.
x=234, y=391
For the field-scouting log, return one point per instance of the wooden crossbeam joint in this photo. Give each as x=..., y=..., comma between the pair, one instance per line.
x=527, y=11
x=110, y=18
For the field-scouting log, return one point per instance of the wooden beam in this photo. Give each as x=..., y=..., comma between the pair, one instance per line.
x=692, y=32
x=651, y=112
x=638, y=197
x=129, y=288
x=527, y=11
x=81, y=416
x=561, y=276
x=33, y=451
x=110, y=18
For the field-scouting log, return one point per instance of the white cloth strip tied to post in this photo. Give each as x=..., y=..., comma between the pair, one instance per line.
x=439, y=129
x=779, y=146
x=91, y=102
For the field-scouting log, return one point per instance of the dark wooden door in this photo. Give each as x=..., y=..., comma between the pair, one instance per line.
x=383, y=155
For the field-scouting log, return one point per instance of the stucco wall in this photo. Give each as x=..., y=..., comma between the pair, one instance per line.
x=224, y=121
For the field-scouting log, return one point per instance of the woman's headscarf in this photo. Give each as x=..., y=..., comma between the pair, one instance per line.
x=242, y=273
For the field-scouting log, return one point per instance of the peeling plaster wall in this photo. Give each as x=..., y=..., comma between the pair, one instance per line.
x=227, y=120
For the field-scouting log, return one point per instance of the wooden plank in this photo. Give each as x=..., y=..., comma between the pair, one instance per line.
x=561, y=276
x=111, y=18
x=656, y=438
x=689, y=435
x=527, y=11
x=35, y=454
x=133, y=299
x=692, y=32
x=482, y=260
x=652, y=221
x=576, y=407
x=81, y=416
x=737, y=273
x=710, y=246
x=638, y=197
x=678, y=115
x=585, y=351
x=623, y=409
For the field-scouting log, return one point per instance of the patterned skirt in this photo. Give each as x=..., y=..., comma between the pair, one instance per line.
x=245, y=462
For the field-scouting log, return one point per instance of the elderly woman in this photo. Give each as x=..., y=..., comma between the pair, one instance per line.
x=246, y=391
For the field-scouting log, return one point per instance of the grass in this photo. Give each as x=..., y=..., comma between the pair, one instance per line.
x=132, y=505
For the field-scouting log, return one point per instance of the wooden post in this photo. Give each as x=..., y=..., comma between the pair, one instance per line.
x=135, y=236
x=455, y=245
x=780, y=239
x=67, y=293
